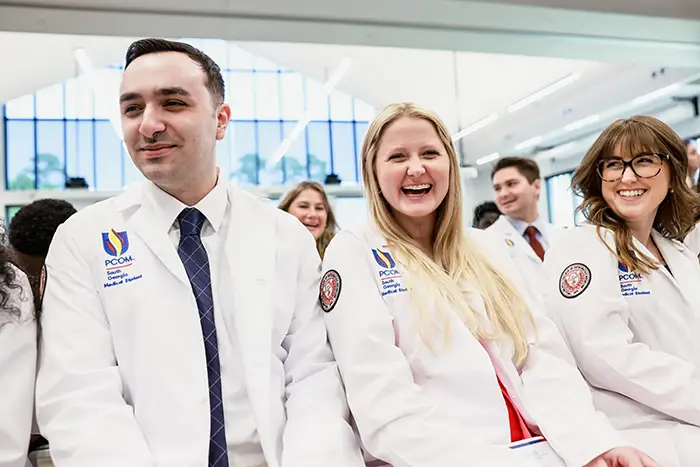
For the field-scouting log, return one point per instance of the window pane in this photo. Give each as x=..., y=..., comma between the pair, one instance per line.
x=341, y=106
x=239, y=59
x=343, y=151
x=269, y=139
x=363, y=111
x=107, y=94
x=10, y=212
x=49, y=102
x=50, y=153
x=108, y=154
x=560, y=200
x=20, y=155
x=217, y=49
x=245, y=163
x=360, y=132
x=80, y=151
x=292, y=95
x=267, y=97
x=295, y=159
x=22, y=107
x=261, y=63
x=242, y=98
x=319, y=150
x=316, y=100
x=131, y=173
x=79, y=102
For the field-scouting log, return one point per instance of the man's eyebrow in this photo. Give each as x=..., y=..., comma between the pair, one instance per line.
x=129, y=96
x=171, y=91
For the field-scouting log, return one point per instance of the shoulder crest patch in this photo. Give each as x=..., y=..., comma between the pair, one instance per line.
x=574, y=280
x=329, y=290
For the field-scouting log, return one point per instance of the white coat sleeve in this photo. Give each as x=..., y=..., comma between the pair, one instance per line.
x=80, y=404
x=595, y=324
x=554, y=392
x=318, y=431
x=397, y=422
x=18, y=353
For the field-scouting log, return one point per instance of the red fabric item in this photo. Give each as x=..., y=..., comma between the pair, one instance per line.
x=531, y=232
x=518, y=428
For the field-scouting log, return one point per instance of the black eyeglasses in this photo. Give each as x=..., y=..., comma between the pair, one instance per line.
x=611, y=169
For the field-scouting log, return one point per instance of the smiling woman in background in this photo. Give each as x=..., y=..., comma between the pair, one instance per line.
x=308, y=202
x=624, y=289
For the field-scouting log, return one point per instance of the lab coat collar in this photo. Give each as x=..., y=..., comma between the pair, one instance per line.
x=166, y=208
x=507, y=229
x=683, y=267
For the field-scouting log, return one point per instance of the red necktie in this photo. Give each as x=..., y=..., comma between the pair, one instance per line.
x=518, y=428
x=531, y=233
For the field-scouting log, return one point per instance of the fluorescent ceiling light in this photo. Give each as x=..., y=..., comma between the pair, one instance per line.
x=582, y=123
x=656, y=94
x=487, y=159
x=476, y=126
x=529, y=143
x=306, y=118
x=542, y=93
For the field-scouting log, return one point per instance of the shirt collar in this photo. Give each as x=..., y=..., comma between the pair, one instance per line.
x=167, y=208
x=521, y=225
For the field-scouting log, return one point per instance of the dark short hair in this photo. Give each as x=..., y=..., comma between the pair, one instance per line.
x=214, y=81
x=526, y=167
x=33, y=226
x=485, y=208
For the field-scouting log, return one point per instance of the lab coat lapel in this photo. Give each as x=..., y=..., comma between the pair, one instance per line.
x=250, y=253
x=684, y=269
x=518, y=240
x=157, y=240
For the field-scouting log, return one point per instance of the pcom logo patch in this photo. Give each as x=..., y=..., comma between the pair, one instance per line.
x=115, y=243
x=383, y=259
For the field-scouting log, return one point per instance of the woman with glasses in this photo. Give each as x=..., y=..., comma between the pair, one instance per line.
x=625, y=291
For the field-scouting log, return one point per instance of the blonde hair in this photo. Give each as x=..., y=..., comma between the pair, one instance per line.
x=435, y=283
x=675, y=216
x=331, y=224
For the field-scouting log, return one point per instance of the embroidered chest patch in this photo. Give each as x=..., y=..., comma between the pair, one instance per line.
x=574, y=280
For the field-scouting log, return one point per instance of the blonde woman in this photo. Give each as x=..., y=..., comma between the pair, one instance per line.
x=432, y=333
x=308, y=202
x=624, y=289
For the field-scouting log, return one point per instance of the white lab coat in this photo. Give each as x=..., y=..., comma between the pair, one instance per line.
x=414, y=408
x=692, y=240
x=123, y=379
x=18, y=353
x=524, y=257
x=636, y=339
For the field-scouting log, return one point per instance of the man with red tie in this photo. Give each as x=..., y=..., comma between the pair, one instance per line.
x=516, y=187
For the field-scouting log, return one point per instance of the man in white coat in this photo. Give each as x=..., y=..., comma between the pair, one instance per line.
x=181, y=326
x=516, y=188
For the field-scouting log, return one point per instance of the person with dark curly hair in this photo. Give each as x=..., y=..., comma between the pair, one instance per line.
x=18, y=354
x=31, y=231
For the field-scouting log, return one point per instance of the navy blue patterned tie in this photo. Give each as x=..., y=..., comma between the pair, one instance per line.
x=196, y=262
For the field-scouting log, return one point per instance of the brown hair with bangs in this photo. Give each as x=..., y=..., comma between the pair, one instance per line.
x=676, y=213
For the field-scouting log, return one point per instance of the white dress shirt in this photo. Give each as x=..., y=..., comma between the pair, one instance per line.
x=244, y=449
x=540, y=224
